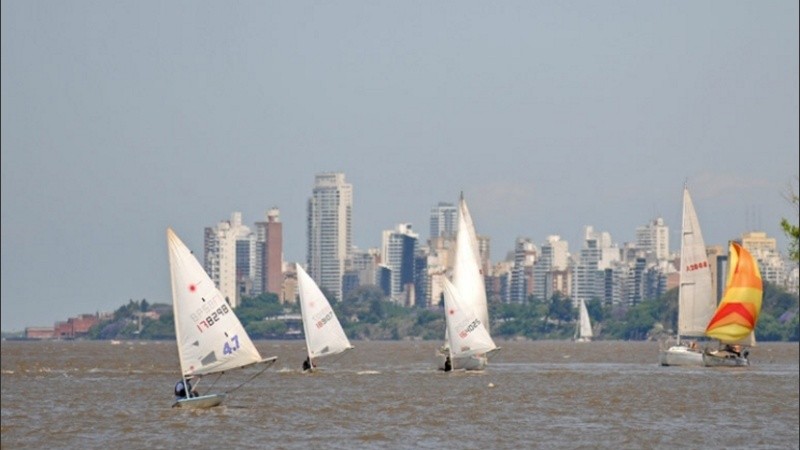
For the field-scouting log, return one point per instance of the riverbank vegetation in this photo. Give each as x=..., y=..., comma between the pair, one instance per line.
x=367, y=314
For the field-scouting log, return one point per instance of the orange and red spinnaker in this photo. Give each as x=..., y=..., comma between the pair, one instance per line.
x=737, y=313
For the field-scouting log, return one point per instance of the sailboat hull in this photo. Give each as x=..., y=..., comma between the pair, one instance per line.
x=204, y=401
x=724, y=359
x=680, y=355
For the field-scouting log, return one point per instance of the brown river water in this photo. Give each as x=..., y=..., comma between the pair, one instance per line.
x=389, y=395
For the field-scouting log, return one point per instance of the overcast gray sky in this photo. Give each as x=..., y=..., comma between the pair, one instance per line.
x=120, y=119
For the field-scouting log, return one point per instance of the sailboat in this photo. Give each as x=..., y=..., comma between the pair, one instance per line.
x=324, y=334
x=735, y=319
x=583, y=331
x=696, y=301
x=468, y=280
x=210, y=338
x=467, y=337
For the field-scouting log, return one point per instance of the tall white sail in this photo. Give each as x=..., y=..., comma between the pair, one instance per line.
x=467, y=335
x=696, y=303
x=324, y=333
x=585, y=325
x=209, y=335
x=467, y=273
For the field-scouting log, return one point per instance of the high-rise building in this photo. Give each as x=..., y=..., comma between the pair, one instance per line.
x=654, y=237
x=593, y=274
x=522, y=272
x=550, y=273
x=765, y=250
x=229, y=271
x=269, y=248
x=329, y=231
x=361, y=270
x=399, y=247
x=444, y=219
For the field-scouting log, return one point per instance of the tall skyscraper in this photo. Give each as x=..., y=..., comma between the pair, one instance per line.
x=444, y=219
x=654, y=237
x=329, y=231
x=522, y=272
x=399, y=248
x=550, y=271
x=269, y=238
x=592, y=277
x=229, y=259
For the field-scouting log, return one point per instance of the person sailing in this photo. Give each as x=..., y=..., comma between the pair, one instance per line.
x=448, y=365
x=308, y=364
x=182, y=389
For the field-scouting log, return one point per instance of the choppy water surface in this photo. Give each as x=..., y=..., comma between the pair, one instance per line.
x=542, y=394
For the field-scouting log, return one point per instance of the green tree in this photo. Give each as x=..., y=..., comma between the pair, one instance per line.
x=792, y=230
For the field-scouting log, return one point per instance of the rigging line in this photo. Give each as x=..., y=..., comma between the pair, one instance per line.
x=213, y=383
x=266, y=366
x=340, y=355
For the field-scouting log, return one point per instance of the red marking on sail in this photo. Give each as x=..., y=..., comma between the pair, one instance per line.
x=452, y=311
x=732, y=308
x=192, y=287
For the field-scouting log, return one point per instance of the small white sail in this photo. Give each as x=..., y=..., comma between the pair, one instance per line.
x=584, y=324
x=696, y=302
x=209, y=335
x=466, y=334
x=323, y=332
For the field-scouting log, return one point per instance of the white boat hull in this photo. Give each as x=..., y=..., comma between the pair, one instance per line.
x=724, y=359
x=204, y=401
x=680, y=355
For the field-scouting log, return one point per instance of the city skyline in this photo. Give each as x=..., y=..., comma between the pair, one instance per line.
x=121, y=120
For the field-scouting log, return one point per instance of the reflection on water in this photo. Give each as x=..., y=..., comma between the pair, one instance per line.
x=542, y=394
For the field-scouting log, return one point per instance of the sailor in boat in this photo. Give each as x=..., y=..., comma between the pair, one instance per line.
x=733, y=350
x=448, y=365
x=308, y=364
x=181, y=390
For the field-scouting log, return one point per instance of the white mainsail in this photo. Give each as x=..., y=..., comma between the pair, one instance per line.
x=467, y=273
x=323, y=332
x=584, y=324
x=466, y=334
x=209, y=335
x=696, y=303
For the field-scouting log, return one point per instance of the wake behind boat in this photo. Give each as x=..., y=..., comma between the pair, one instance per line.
x=210, y=338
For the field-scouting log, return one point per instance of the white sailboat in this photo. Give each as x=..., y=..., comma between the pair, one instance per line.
x=583, y=331
x=696, y=303
x=468, y=281
x=467, y=338
x=323, y=332
x=210, y=338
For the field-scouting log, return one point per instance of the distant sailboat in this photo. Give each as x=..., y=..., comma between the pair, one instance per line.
x=468, y=281
x=210, y=338
x=735, y=319
x=696, y=301
x=466, y=336
x=323, y=332
x=583, y=331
